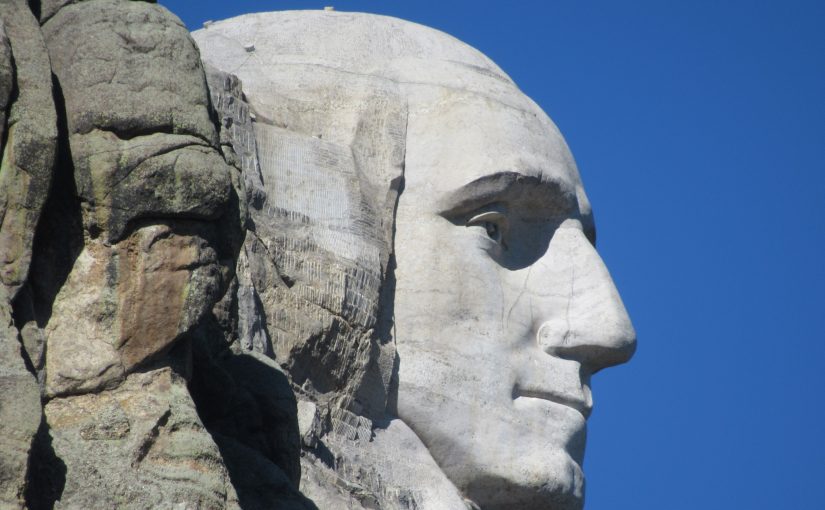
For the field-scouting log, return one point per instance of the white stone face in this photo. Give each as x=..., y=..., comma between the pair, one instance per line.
x=503, y=308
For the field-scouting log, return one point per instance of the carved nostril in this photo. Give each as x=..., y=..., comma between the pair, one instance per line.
x=593, y=347
x=554, y=334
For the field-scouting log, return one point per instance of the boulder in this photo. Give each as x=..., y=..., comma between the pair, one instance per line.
x=29, y=139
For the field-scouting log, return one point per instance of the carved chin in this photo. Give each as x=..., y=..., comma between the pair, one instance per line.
x=561, y=489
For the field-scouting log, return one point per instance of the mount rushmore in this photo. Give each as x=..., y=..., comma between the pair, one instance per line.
x=293, y=260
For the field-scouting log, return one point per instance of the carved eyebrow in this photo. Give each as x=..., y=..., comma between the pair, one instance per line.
x=539, y=195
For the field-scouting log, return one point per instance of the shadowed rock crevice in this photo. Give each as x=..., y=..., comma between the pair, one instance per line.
x=247, y=404
x=47, y=474
x=35, y=6
x=28, y=135
x=59, y=236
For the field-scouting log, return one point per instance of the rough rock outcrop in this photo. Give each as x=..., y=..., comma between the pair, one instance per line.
x=140, y=132
x=155, y=193
x=28, y=141
x=140, y=445
x=20, y=414
x=137, y=241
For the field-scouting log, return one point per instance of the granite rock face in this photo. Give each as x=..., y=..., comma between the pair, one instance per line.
x=28, y=141
x=108, y=269
x=134, y=132
x=140, y=445
x=296, y=260
x=20, y=414
x=160, y=207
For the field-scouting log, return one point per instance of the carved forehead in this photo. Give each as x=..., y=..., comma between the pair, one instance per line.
x=326, y=74
x=317, y=60
x=354, y=42
x=463, y=137
x=321, y=73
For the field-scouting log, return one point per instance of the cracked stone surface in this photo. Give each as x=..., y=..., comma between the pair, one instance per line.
x=296, y=260
x=29, y=139
x=20, y=414
x=136, y=242
x=28, y=142
x=165, y=456
x=424, y=260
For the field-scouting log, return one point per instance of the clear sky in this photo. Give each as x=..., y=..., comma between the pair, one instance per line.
x=699, y=130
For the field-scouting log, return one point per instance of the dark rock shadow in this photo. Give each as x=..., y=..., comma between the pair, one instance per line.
x=248, y=406
x=57, y=243
x=58, y=239
x=259, y=483
x=47, y=472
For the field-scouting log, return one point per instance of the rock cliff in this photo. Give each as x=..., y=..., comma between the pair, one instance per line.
x=172, y=334
x=296, y=260
x=139, y=287
x=122, y=213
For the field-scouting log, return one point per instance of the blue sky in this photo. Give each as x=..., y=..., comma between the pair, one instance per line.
x=699, y=130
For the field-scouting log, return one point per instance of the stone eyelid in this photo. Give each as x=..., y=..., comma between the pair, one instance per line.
x=495, y=224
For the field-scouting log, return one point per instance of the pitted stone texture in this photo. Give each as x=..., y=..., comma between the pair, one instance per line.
x=161, y=208
x=165, y=456
x=139, y=241
x=151, y=176
x=129, y=68
x=49, y=8
x=20, y=414
x=142, y=140
x=28, y=134
x=29, y=137
x=122, y=305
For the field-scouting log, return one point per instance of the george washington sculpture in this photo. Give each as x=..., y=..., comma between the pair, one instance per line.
x=420, y=262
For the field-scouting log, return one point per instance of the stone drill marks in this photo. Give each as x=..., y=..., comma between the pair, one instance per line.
x=323, y=217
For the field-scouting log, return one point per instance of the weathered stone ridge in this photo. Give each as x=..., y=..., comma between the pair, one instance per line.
x=135, y=134
x=294, y=261
x=137, y=240
x=29, y=139
x=140, y=445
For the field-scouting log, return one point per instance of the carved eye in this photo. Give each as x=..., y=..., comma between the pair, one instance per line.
x=494, y=223
x=493, y=232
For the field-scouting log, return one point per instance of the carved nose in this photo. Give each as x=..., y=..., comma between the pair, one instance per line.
x=593, y=328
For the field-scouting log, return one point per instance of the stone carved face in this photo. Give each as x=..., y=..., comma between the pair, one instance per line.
x=503, y=308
